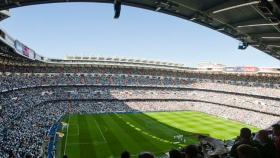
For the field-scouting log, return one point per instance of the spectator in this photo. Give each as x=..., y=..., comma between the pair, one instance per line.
x=276, y=135
x=244, y=138
x=265, y=145
x=191, y=151
x=247, y=151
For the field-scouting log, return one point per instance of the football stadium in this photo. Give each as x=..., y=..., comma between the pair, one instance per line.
x=107, y=107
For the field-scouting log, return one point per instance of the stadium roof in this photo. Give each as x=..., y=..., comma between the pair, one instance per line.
x=253, y=22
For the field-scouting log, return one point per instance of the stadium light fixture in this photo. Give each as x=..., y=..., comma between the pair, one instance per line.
x=117, y=8
x=258, y=25
x=221, y=29
x=236, y=6
x=276, y=37
x=158, y=9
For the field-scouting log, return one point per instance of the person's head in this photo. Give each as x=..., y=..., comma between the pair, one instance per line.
x=263, y=136
x=125, y=154
x=245, y=133
x=247, y=151
x=146, y=155
x=175, y=154
x=191, y=151
x=276, y=130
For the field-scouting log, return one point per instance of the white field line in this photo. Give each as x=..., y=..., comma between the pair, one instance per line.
x=146, y=133
x=65, y=144
x=100, y=131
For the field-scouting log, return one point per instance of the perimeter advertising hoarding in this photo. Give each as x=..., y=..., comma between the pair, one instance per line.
x=230, y=69
x=241, y=69
x=19, y=46
x=29, y=53
x=250, y=69
x=24, y=50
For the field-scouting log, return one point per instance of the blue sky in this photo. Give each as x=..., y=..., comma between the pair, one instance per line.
x=88, y=29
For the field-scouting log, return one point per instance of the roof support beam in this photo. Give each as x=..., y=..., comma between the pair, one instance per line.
x=249, y=22
x=265, y=35
x=257, y=25
x=235, y=6
x=232, y=4
x=246, y=23
x=228, y=5
x=253, y=23
x=269, y=37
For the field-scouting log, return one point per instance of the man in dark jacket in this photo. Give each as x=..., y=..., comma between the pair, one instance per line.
x=276, y=137
x=265, y=145
x=244, y=138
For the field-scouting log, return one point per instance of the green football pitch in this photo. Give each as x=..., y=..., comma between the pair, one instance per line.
x=107, y=135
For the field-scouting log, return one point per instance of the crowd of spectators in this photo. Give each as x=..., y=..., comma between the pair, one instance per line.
x=27, y=114
x=30, y=104
x=12, y=81
x=258, y=79
x=235, y=87
x=26, y=134
x=16, y=81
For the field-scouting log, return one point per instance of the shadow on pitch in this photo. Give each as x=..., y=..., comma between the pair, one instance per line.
x=149, y=133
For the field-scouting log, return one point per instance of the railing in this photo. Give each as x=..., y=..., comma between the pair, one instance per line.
x=53, y=139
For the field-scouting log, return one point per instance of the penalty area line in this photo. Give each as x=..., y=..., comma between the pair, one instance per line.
x=97, y=124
